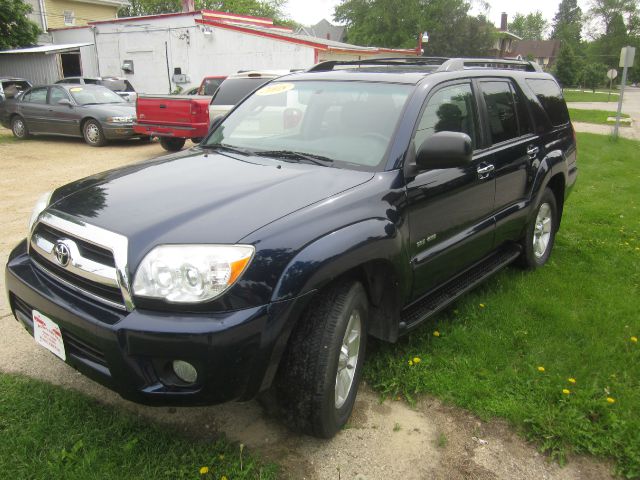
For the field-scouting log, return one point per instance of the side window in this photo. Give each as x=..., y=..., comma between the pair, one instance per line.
x=450, y=109
x=37, y=95
x=501, y=110
x=550, y=96
x=56, y=94
x=524, y=119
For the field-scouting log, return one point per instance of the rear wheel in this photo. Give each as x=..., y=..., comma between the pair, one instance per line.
x=172, y=144
x=197, y=140
x=19, y=128
x=541, y=232
x=93, y=134
x=318, y=378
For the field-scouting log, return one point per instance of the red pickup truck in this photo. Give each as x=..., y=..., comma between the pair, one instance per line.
x=174, y=118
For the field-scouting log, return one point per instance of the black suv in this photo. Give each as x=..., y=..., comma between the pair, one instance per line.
x=353, y=199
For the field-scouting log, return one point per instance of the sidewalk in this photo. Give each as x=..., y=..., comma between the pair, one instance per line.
x=630, y=106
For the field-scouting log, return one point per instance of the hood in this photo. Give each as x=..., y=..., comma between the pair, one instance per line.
x=199, y=197
x=114, y=109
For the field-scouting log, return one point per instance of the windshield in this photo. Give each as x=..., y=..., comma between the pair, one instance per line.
x=95, y=95
x=348, y=123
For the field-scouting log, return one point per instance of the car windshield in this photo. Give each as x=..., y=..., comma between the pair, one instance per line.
x=94, y=95
x=344, y=124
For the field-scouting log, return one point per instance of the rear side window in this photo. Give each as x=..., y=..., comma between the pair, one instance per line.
x=450, y=109
x=550, y=96
x=501, y=111
x=233, y=90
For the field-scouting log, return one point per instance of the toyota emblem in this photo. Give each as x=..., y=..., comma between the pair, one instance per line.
x=62, y=253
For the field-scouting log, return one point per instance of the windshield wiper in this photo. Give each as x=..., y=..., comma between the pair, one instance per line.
x=290, y=155
x=230, y=148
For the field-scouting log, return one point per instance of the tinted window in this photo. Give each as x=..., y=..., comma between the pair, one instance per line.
x=37, y=95
x=69, y=80
x=501, y=111
x=448, y=110
x=57, y=94
x=524, y=119
x=91, y=81
x=550, y=96
x=233, y=90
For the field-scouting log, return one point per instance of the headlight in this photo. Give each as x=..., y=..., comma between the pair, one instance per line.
x=190, y=273
x=120, y=119
x=41, y=204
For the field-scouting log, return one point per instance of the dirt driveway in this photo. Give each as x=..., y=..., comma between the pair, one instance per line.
x=385, y=440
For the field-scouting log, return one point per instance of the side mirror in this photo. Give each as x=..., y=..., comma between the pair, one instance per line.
x=216, y=121
x=65, y=101
x=444, y=150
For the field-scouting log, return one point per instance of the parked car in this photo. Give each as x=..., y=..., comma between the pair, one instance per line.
x=328, y=206
x=120, y=85
x=11, y=87
x=238, y=86
x=210, y=84
x=90, y=111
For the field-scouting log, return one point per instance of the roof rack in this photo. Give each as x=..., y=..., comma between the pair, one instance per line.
x=440, y=64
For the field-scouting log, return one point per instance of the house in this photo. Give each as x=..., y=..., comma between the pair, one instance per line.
x=324, y=29
x=505, y=40
x=545, y=52
x=48, y=14
x=159, y=53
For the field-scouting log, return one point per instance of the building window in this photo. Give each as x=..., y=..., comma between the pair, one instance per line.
x=69, y=19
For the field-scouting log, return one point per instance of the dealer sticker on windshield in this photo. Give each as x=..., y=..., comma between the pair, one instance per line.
x=275, y=88
x=47, y=333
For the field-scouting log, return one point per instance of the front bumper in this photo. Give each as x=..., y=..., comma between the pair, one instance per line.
x=118, y=131
x=236, y=353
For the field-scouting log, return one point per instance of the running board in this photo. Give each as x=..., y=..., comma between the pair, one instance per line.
x=437, y=300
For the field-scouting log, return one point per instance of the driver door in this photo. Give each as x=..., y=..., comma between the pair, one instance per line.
x=450, y=210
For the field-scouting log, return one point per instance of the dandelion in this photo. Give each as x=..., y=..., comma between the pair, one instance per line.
x=482, y=305
x=634, y=339
x=541, y=368
x=410, y=362
x=571, y=380
x=224, y=477
x=416, y=360
x=566, y=391
x=611, y=400
x=436, y=333
x=204, y=470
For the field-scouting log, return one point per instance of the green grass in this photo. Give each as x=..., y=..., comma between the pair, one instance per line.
x=589, y=96
x=594, y=116
x=47, y=432
x=575, y=317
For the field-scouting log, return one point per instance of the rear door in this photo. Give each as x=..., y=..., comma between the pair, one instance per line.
x=450, y=210
x=514, y=149
x=34, y=108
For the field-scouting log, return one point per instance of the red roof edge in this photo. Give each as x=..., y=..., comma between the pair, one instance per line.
x=245, y=17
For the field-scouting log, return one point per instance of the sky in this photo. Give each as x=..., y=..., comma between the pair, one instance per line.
x=310, y=12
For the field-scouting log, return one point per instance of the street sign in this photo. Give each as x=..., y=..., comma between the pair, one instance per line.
x=612, y=74
x=626, y=56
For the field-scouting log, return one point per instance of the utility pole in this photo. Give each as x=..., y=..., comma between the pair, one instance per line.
x=626, y=60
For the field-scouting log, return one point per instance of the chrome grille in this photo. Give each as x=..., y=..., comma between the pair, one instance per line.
x=94, y=262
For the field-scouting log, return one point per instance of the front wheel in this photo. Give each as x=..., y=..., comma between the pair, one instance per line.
x=319, y=375
x=93, y=134
x=541, y=232
x=172, y=144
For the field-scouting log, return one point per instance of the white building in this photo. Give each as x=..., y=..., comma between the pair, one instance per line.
x=151, y=50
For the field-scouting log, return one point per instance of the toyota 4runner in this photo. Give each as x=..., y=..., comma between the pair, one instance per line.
x=355, y=199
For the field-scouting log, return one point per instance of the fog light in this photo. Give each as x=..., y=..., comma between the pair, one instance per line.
x=185, y=371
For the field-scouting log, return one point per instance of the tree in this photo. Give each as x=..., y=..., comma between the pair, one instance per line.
x=568, y=66
x=16, y=30
x=608, y=12
x=392, y=24
x=594, y=75
x=567, y=24
x=529, y=27
x=259, y=8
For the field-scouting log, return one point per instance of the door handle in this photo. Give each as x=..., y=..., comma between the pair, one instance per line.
x=484, y=172
x=532, y=151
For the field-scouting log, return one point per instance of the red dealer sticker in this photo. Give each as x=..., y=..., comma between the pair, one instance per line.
x=47, y=333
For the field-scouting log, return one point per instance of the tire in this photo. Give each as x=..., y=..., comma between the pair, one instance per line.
x=145, y=139
x=93, y=134
x=541, y=233
x=316, y=386
x=172, y=144
x=19, y=128
x=197, y=140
